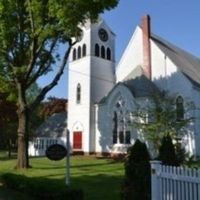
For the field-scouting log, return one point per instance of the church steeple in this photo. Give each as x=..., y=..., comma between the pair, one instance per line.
x=91, y=77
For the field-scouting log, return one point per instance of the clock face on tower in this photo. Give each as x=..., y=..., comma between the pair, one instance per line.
x=103, y=35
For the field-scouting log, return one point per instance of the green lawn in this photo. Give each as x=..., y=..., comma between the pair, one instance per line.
x=100, y=179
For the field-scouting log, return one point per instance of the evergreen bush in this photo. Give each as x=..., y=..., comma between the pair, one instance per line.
x=180, y=153
x=137, y=173
x=167, y=153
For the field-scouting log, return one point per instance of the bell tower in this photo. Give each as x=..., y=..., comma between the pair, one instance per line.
x=91, y=77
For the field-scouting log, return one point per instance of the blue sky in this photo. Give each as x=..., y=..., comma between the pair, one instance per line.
x=177, y=21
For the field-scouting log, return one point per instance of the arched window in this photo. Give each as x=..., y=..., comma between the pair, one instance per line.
x=179, y=108
x=78, y=93
x=108, y=54
x=96, y=50
x=74, y=54
x=121, y=137
x=102, y=52
x=121, y=120
x=115, y=128
x=127, y=137
x=79, y=52
x=84, y=50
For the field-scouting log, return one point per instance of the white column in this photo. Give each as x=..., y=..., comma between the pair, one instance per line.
x=155, y=173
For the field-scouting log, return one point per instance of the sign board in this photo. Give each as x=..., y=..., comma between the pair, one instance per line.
x=56, y=152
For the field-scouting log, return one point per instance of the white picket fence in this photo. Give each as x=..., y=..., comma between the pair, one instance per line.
x=174, y=183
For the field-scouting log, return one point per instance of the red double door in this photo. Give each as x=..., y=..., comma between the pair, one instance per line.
x=77, y=140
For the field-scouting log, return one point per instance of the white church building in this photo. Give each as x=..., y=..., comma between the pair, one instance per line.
x=102, y=95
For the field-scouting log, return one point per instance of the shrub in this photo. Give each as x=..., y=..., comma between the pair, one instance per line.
x=180, y=153
x=40, y=188
x=167, y=152
x=137, y=173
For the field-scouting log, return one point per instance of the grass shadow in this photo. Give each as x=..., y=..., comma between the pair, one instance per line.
x=39, y=188
x=8, y=194
x=96, y=187
x=99, y=186
x=99, y=178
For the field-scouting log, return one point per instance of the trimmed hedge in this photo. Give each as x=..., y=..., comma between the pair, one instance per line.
x=41, y=188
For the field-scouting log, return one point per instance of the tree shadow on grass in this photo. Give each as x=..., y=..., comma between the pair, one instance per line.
x=98, y=187
x=38, y=188
x=94, y=187
x=8, y=194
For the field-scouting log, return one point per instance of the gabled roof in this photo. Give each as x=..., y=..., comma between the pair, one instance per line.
x=139, y=86
x=53, y=127
x=188, y=64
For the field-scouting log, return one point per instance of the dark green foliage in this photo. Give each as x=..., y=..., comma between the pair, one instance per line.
x=167, y=152
x=137, y=173
x=41, y=188
x=8, y=125
x=180, y=153
x=192, y=162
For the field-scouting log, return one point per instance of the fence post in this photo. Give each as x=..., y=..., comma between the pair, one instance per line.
x=155, y=186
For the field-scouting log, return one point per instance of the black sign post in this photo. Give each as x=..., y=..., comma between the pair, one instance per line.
x=56, y=152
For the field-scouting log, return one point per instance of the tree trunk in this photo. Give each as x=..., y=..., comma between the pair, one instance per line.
x=21, y=151
x=27, y=137
x=22, y=158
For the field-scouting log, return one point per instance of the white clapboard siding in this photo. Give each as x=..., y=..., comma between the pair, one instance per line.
x=174, y=183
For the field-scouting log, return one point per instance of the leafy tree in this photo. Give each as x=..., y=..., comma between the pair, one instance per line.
x=159, y=118
x=7, y=90
x=53, y=105
x=32, y=92
x=137, y=173
x=30, y=33
x=8, y=115
x=8, y=125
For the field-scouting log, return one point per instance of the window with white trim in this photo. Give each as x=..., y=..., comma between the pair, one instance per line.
x=97, y=50
x=121, y=123
x=102, y=51
x=78, y=93
x=74, y=54
x=108, y=54
x=84, y=50
x=79, y=52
